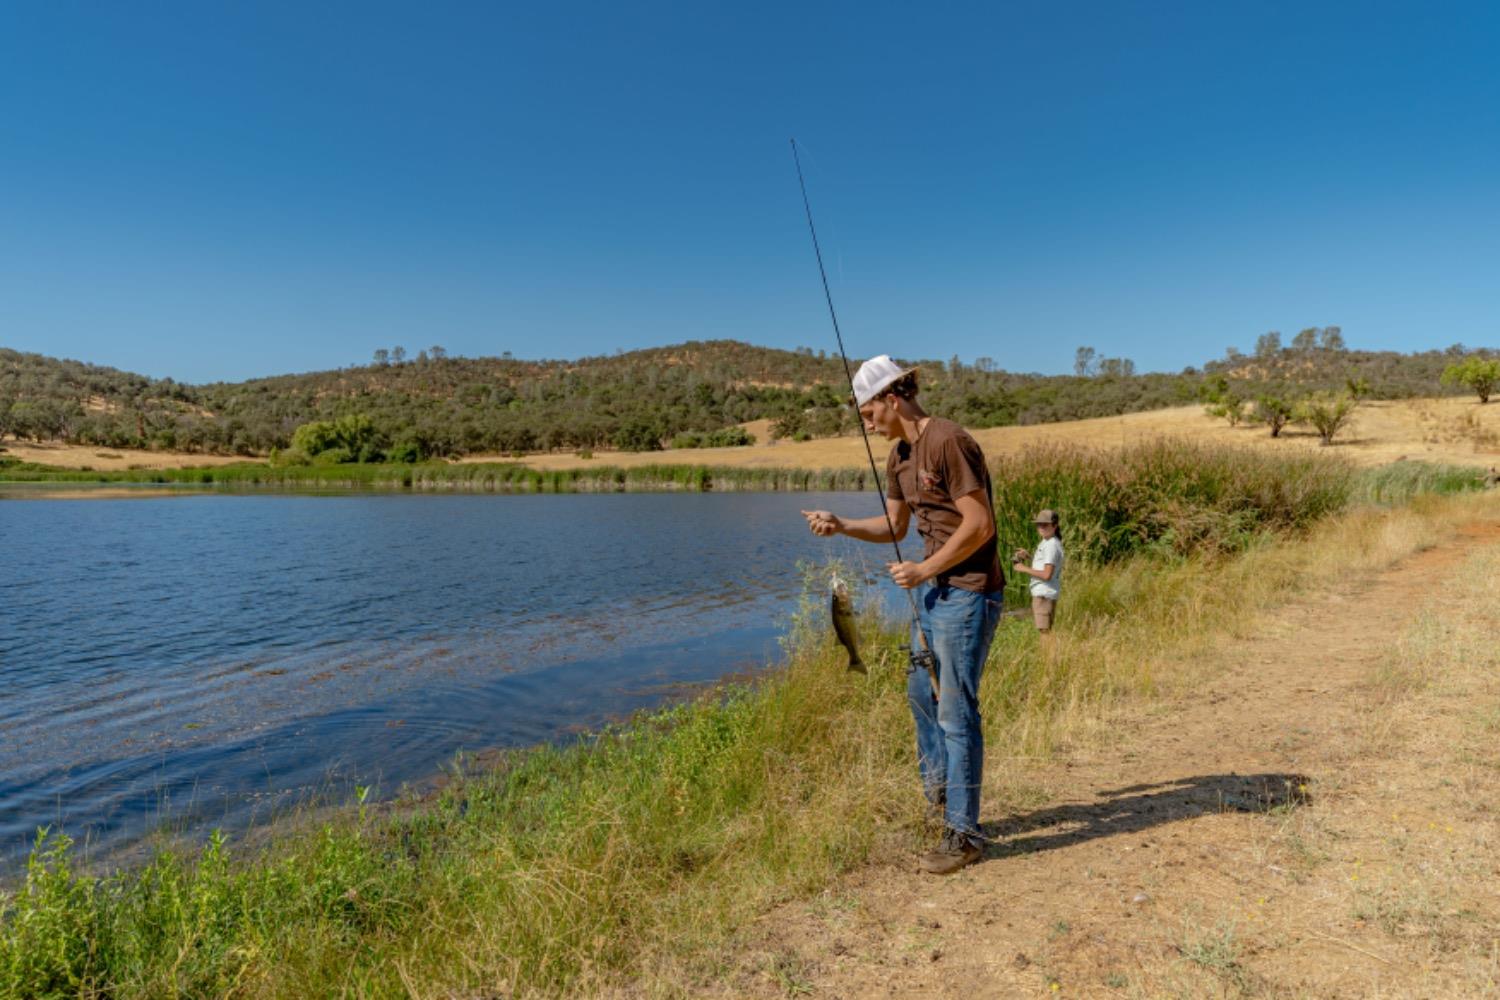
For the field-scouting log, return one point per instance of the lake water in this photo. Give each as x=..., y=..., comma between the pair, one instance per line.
x=211, y=660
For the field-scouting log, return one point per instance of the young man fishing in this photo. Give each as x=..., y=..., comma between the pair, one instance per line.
x=937, y=472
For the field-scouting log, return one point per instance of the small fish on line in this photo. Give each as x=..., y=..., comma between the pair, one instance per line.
x=842, y=609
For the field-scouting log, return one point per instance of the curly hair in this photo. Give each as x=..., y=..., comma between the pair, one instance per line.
x=904, y=387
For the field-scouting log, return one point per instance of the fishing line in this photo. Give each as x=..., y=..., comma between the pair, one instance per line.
x=858, y=419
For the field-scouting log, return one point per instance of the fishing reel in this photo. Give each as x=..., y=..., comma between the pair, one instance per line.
x=921, y=659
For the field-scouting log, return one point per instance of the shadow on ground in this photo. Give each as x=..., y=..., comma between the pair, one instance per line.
x=1140, y=807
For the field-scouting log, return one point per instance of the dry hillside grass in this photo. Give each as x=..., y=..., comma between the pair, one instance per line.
x=75, y=456
x=1456, y=430
x=1452, y=429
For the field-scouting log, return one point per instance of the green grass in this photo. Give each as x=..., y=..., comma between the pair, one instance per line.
x=1400, y=481
x=496, y=477
x=638, y=853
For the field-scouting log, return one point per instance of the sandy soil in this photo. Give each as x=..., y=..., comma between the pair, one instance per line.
x=72, y=456
x=1456, y=430
x=1309, y=822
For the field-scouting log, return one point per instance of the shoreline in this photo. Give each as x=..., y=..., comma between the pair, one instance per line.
x=634, y=857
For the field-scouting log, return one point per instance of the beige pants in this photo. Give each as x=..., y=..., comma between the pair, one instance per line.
x=1041, y=612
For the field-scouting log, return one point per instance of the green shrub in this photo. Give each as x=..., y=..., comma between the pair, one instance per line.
x=1327, y=413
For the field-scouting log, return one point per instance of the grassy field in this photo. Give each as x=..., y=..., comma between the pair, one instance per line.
x=630, y=857
x=1444, y=430
x=1452, y=430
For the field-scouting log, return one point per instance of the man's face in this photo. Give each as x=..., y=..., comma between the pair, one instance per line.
x=879, y=416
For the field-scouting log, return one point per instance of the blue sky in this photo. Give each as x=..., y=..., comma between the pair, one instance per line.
x=220, y=191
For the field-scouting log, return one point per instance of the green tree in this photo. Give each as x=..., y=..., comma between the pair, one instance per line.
x=1268, y=345
x=1479, y=375
x=1222, y=400
x=639, y=434
x=1273, y=411
x=1306, y=340
x=1083, y=362
x=350, y=438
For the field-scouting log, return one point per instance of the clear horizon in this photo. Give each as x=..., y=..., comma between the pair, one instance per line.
x=218, y=195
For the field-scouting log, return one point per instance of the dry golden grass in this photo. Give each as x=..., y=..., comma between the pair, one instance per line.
x=1452, y=430
x=1360, y=660
x=78, y=456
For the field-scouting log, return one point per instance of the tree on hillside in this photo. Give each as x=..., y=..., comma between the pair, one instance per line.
x=1222, y=400
x=1268, y=345
x=398, y=354
x=1479, y=375
x=1116, y=367
x=1331, y=338
x=1306, y=340
x=1273, y=411
x=1083, y=362
x=437, y=352
x=1327, y=413
x=382, y=357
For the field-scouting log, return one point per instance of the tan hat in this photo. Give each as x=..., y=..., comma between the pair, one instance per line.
x=875, y=376
x=1046, y=516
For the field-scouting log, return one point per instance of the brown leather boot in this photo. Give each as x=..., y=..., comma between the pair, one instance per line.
x=955, y=851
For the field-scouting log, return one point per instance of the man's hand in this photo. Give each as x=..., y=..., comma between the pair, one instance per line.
x=906, y=574
x=823, y=523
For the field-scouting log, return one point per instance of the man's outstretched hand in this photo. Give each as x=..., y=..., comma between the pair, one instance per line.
x=822, y=523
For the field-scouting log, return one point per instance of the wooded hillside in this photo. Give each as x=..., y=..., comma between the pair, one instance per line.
x=435, y=405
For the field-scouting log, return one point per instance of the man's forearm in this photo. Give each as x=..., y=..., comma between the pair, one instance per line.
x=866, y=529
x=964, y=542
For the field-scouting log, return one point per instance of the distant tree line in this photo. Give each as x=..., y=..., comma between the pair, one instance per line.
x=437, y=405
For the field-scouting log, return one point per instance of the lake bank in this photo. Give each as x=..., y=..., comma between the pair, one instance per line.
x=633, y=855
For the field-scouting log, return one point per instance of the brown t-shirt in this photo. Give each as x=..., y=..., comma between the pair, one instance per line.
x=944, y=463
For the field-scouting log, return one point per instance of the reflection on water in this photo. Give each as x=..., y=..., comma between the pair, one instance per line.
x=215, y=657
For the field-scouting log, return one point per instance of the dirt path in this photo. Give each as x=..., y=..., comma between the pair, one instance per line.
x=1317, y=820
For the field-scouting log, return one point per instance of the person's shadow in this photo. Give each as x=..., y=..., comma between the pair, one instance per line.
x=1140, y=807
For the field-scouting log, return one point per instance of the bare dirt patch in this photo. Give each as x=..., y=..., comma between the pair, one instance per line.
x=1314, y=818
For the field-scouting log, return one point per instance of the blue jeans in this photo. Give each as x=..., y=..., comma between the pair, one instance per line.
x=959, y=625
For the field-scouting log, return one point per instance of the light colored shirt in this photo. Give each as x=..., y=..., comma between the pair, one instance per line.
x=1050, y=551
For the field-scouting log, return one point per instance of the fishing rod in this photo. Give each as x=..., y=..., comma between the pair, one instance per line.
x=924, y=657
